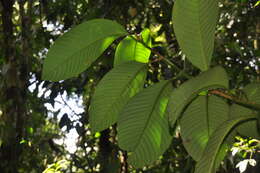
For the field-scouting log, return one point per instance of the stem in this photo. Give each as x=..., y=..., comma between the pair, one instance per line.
x=161, y=57
x=245, y=103
x=64, y=101
x=251, y=105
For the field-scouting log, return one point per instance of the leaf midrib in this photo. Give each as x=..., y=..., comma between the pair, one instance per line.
x=197, y=15
x=207, y=115
x=232, y=124
x=187, y=99
x=127, y=84
x=150, y=115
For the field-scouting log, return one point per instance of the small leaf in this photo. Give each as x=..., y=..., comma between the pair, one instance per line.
x=64, y=121
x=194, y=23
x=79, y=129
x=257, y=3
x=206, y=163
x=200, y=120
x=113, y=92
x=74, y=52
x=224, y=148
x=213, y=78
x=143, y=126
x=131, y=50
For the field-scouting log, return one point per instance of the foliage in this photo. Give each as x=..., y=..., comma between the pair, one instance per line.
x=114, y=91
x=36, y=116
x=56, y=167
x=195, y=21
x=84, y=44
x=142, y=123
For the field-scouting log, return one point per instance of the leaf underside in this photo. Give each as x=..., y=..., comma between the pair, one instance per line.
x=200, y=120
x=113, y=92
x=194, y=23
x=131, y=50
x=143, y=126
x=206, y=163
x=252, y=92
x=76, y=50
x=214, y=78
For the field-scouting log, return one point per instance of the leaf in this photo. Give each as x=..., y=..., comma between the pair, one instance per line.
x=214, y=78
x=252, y=92
x=64, y=121
x=194, y=23
x=113, y=92
x=200, y=120
x=143, y=126
x=224, y=148
x=206, y=163
x=74, y=51
x=131, y=50
x=257, y=3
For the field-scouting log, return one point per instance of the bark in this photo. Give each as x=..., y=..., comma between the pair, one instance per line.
x=14, y=86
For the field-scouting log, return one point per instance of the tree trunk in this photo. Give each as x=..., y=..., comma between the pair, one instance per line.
x=13, y=87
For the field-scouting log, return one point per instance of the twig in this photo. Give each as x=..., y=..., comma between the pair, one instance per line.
x=160, y=57
x=244, y=103
x=251, y=105
x=68, y=105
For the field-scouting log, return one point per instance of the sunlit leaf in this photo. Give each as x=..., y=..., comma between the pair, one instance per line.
x=200, y=120
x=74, y=51
x=113, y=92
x=132, y=50
x=213, y=78
x=257, y=3
x=206, y=163
x=143, y=126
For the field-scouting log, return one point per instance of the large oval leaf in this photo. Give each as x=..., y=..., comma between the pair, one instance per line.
x=206, y=163
x=131, y=50
x=252, y=92
x=194, y=23
x=113, y=92
x=200, y=120
x=143, y=126
x=213, y=78
x=74, y=51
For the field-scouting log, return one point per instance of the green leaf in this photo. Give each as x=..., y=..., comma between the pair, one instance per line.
x=252, y=92
x=143, y=127
x=113, y=92
x=74, y=51
x=206, y=163
x=257, y=3
x=131, y=50
x=224, y=148
x=200, y=120
x=214, y=78
x=194, y=23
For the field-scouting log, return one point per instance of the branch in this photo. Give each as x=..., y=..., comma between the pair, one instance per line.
x=68, y=105
x=161, y=57
x=245, y=103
